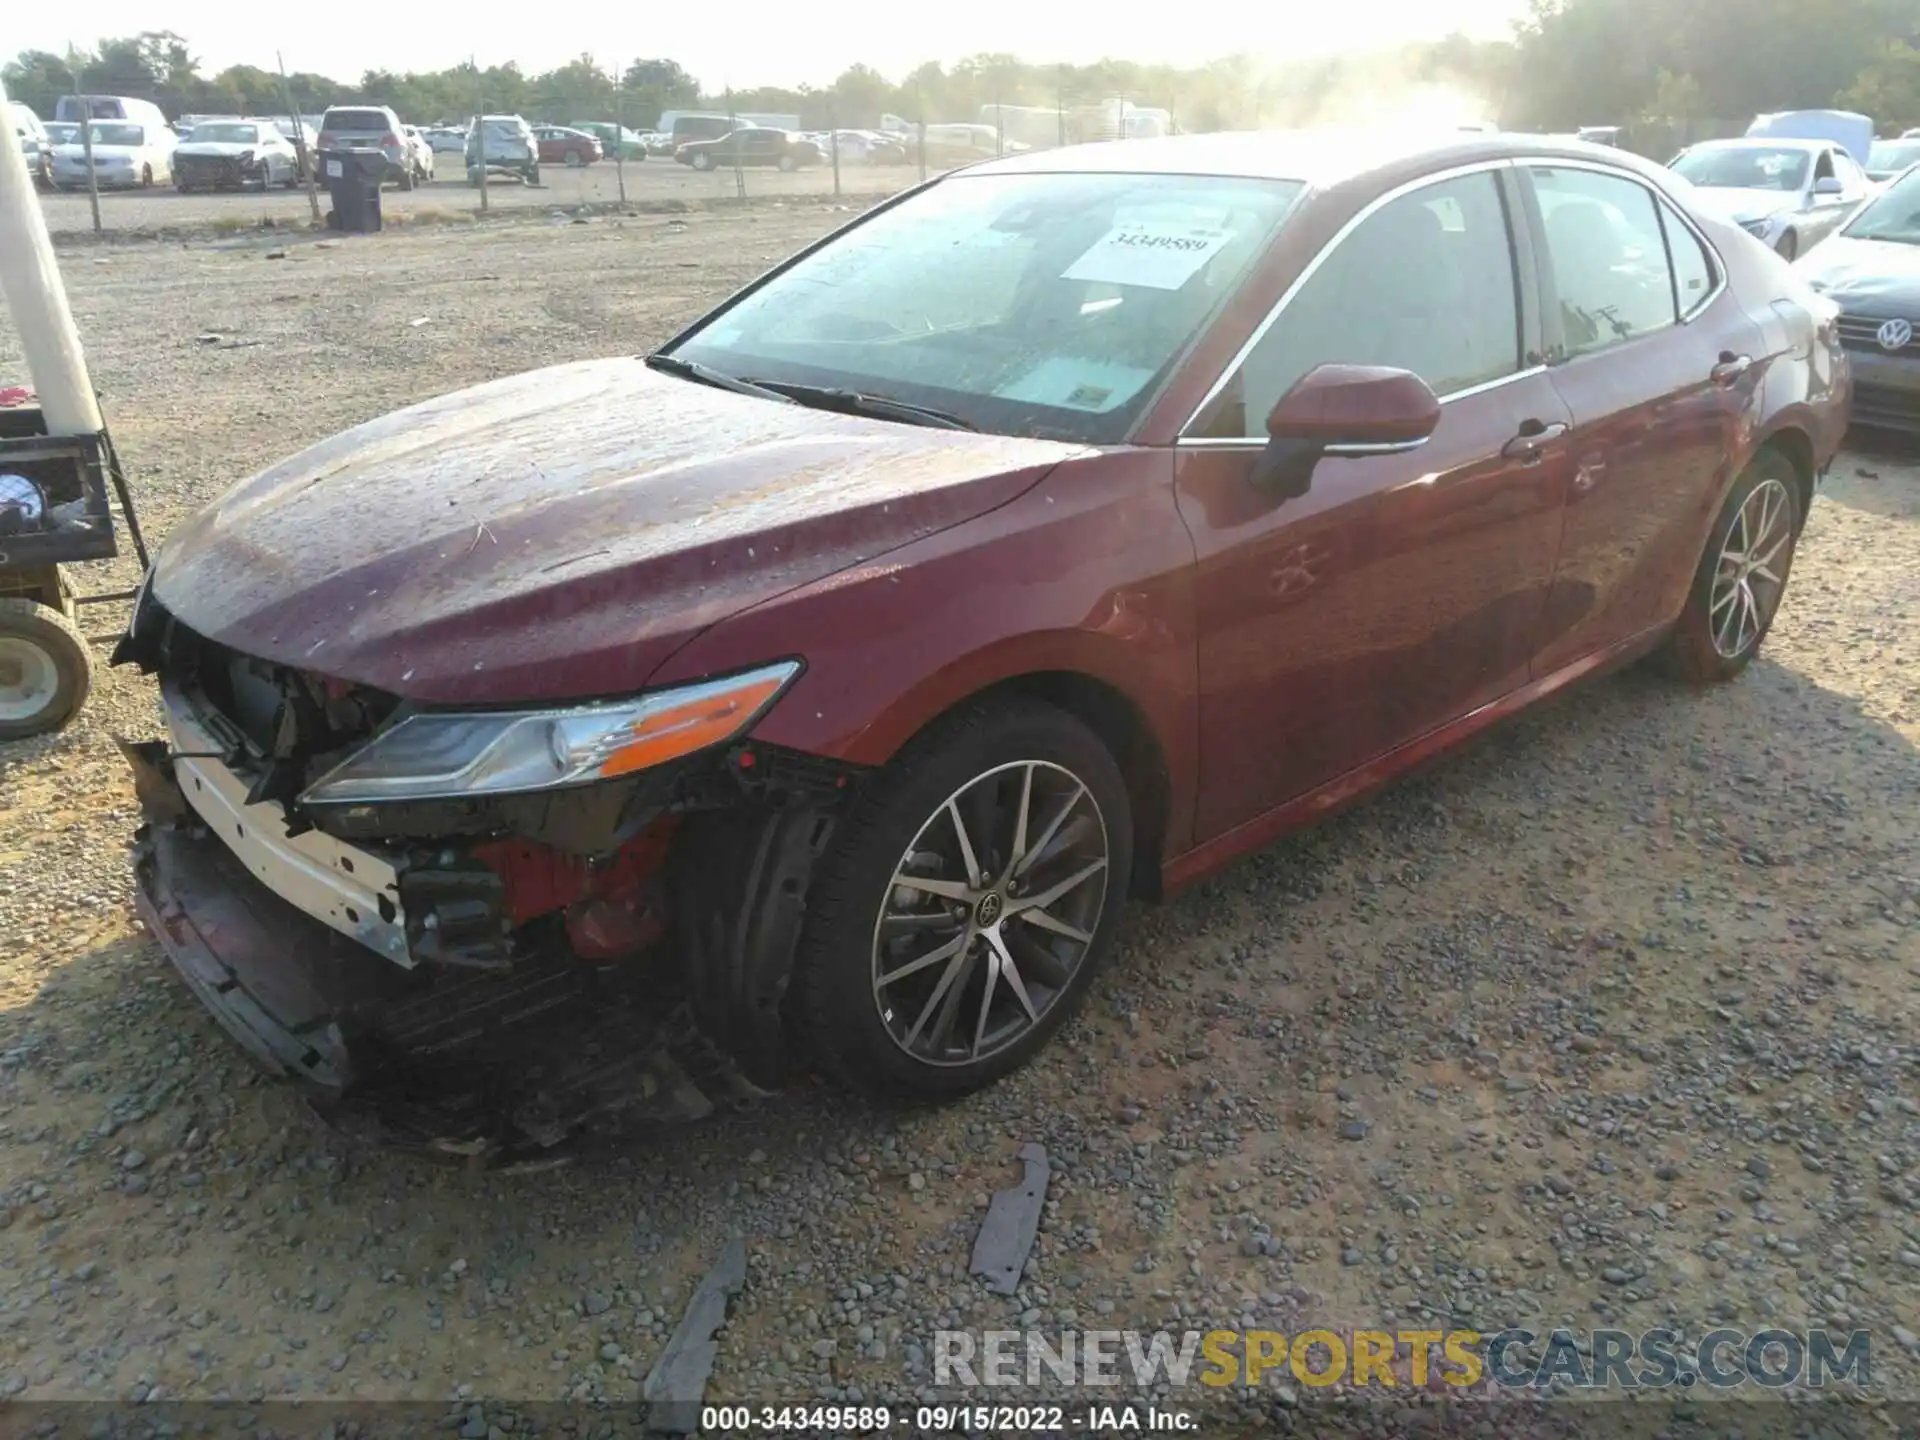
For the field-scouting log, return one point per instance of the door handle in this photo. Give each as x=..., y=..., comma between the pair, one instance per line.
x=1532, y=440
x=1730, y=368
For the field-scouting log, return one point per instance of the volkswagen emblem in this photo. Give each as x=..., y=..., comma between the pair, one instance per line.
x=1895, y=334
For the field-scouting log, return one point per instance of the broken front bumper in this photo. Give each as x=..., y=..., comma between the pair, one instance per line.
x=477, y=1064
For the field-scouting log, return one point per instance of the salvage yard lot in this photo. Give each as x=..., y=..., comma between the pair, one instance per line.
x=1610, y=1021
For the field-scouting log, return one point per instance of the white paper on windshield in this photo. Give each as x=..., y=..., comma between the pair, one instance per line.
x=1153, y=255
x=1074, y=384
x=334, y=169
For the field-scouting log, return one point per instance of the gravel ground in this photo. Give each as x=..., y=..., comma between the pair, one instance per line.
x=650, y=183
x=1609, y=1020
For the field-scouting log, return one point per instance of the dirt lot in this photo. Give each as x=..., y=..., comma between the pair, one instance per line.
x=652, y=182
x=1609, y=1021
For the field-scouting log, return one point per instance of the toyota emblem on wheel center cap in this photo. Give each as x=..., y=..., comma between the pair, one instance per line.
x=1895, y=334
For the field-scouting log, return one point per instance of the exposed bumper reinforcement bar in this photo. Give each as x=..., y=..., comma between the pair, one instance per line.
x=480, y=1066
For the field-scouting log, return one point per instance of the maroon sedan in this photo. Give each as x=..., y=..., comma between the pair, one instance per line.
x=560, y=145
x=816, y=692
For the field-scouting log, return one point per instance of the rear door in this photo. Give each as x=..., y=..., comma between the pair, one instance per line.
x=1403, y=590
x=1659, y=365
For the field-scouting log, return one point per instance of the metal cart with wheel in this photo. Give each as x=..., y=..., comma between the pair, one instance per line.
x=59, y=478
x=56, y=510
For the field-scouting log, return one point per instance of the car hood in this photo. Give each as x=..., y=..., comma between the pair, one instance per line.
x=1740, y=205
x=223, y=149
x=558, y=534
x=1871, y=275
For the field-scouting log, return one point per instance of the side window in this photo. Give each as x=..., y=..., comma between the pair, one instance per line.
x=1425, y=283
x=1823, y=167
x=1693, y=266
x=1607, y=258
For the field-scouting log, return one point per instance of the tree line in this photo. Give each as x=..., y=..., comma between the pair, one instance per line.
x=1656, y=67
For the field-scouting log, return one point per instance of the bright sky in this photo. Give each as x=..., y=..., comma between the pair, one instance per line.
x=762, y=42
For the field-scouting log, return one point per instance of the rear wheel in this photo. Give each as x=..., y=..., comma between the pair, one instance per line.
x=46, y=669
x=575, y=159
x=406, y=178
x=1742, y=576
x=967, y=904
x=703, y=161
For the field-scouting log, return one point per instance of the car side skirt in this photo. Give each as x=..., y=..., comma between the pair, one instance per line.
x=1336, y=795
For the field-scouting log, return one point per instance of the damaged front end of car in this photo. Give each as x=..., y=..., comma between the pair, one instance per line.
x=486, y=932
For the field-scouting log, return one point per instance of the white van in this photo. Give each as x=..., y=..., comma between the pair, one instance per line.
x=110, y=107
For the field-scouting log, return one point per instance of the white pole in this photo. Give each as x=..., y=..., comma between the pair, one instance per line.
x=38, y=302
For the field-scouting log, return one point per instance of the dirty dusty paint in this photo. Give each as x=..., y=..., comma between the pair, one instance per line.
x=559, y=533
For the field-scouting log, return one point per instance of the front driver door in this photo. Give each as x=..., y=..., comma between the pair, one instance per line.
x=1402, y=590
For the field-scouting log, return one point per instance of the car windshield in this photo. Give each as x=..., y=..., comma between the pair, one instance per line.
x=228, y=134
x=1744, y=167
x=118, y=135
x=62, y=133
x=1023, y=304
x=1893, y=215
x=351, y=120
x=1889, y=157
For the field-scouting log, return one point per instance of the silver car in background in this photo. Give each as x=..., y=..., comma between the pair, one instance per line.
x=1788, y=194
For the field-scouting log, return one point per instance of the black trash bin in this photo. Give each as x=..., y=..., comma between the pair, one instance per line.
x=352, y=177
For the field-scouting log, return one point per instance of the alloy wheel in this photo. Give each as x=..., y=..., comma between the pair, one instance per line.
x=990, y=913
x=1750, y=576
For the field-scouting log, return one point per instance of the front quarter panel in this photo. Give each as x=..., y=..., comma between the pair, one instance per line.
x=1088, y=572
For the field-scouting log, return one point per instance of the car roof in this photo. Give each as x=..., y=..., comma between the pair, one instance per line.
x=1319, y=157
x=1766, y=142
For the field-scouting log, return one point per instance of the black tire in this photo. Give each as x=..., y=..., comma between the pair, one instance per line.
x=406, y=178
x=833, y=1003
x=531, y=175
x=702, y=161
x=265, y=178
x=184, y=188
x=575, y=159
x=1698, y=649
x=1788, y=247
x=40, y=637
x=146, y=177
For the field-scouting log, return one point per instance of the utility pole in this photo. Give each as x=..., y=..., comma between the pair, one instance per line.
x=307, y=161
x=479, y=130
x=620, y=135
x=86, y=133
x=920, y=119
x=833, y=140
x=733, y=144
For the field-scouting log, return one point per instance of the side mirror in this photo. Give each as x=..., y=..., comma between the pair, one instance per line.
x=1349, y=410
x=1827, y=185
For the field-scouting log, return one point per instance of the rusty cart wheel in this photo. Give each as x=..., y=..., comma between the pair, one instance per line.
x=46, y=669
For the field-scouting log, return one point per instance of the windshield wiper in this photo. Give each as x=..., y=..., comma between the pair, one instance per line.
x=707, y=375
x=857, y=402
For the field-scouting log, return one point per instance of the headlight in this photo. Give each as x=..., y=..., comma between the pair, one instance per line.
x=1761, y=227
x=436, y=756
x=246, y=157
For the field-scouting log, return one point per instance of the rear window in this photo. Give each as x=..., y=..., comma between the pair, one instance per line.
x=355, y=120
x=118, y=135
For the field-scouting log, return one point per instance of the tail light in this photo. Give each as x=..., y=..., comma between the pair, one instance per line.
x=389, y=140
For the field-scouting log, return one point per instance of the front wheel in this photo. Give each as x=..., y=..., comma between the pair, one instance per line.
x=146, y=177
x=1742, y=576
x=406, y=178
x=1789, y=246
x=967, y=904
x=46, y=669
